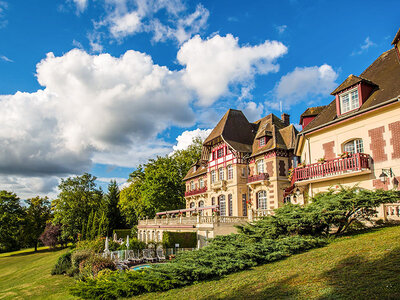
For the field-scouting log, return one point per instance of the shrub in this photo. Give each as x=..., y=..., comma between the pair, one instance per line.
x=62, y=265
x=122, y=233
x=93, y=265
x=80, y=255
x=97, y=245
x=184, y=239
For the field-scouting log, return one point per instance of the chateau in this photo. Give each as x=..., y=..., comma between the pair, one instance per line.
x=247, y=170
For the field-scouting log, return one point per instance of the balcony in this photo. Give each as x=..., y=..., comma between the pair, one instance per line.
x=196, y=191
x=219, y=185
x=356, y=164
x=259, y=177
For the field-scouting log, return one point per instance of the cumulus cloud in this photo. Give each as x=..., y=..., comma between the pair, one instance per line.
x=304, y=84
x=364, y=47
x=91, y=104
x=253, y=111
x=213, y=64
x=27, y=187
x=186, y=138
x=119, y=180
x=124, y=18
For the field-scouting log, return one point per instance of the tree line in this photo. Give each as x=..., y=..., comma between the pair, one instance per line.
x=83, y=211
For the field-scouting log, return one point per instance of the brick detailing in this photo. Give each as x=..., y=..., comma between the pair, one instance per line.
x=378, y=144
x=270, y=168
x=395, y=140
x=282, y=170
x=329, y=153
x=271, y=196
x=378, y=184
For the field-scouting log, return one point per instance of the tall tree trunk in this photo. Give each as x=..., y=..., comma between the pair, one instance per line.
x=36, y=246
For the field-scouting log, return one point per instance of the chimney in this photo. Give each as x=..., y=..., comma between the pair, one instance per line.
x=286, y=119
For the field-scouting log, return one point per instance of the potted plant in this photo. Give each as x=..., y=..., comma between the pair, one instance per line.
x=301, y=165
x=345, y=154
x=321, y=160
x=290, y=174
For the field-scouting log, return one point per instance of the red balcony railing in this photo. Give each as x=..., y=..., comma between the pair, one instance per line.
x=261, y=176
x=336, y=166
x=196, y=191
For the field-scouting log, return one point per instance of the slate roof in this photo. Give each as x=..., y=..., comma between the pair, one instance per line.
x=195, y=170
x=350, y=81
x=311, y=111
x=384, y=72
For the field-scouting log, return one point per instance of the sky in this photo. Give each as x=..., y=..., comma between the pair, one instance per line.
x=102, y=86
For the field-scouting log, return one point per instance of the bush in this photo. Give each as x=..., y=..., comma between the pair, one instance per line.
x=80, y=255
x=184, y=239
x=97, y=245
x=122, y=233
x=93, y=265
x=63, y=264
x=50, y=236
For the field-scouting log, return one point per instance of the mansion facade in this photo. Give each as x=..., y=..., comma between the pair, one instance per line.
x=247, y=170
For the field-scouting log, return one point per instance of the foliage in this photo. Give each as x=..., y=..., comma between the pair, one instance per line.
x=94, y=264
x=63, y=264
x=38, y=213
x=97, y=245
x=225, y=255
x=77, y=199
x=122, y=233
x=51, y=235
x=114, y=216
x=184, y=239
x=11, y=220
x=157, y=185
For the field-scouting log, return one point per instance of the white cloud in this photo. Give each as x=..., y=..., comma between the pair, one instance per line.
x=119, y=180
x=186, y=138
x=364, y=47
x=281, y=28
x=303, y=84
x=80, y=5
x=253, y=111
x=125, y=18
x=3, y=7
x=92, y=107
x=5, y=58
x=213, y=64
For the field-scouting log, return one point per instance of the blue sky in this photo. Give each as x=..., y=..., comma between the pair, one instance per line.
x=101, y=86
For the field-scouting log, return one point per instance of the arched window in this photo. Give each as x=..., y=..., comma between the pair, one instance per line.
x=354, y=146
x=158, y=236
x=262, y=200
x=222, y=205
x=192, y=205
x=230, y=172
x=260, y=166
x=230, y=205
x=201, y=204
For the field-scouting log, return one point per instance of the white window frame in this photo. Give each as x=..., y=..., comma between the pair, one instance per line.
x=222, y=205
x=353, y=103
x=354, y=146
x=230, y=205
x=260, y=166
x=262, y=141
x=262, y=199
x=192, y=185
x=201, y=183
x=230, y=172
x=221, y=173
x=213, y=176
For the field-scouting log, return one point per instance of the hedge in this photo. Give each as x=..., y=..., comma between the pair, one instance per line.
x=122, y=233
x=184, y=239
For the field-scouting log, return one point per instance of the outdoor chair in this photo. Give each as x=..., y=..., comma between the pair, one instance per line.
x=160, y=254
x=148, y=255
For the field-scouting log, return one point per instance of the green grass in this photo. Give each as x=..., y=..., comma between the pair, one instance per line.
x=364, y=266
x=26, y=275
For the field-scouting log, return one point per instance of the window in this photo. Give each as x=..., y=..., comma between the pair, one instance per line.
x=213, y=176
x=213, y=155
x=192, y=185
x=230, y=205
x=244, y=205
x=260, y=166
x=192, y=205
x=222, y=205
x=243, y=172
x=230, y=172
x=201, y=181
x=220, y=152
x=354, y=146
x=201, y=204
x=212, y=201
x=262, y=199
x=349, y=101
x=221, y=173
x=262, y=141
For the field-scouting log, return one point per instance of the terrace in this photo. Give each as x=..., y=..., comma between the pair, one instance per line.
x=354, y=164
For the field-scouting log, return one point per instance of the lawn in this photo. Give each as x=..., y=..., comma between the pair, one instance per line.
x=26, y=275
x=364, y=266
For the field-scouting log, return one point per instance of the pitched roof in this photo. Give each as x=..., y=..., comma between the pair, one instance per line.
x=195, y=170
x=235, y=130
x=281, y=135
x=350, y=81
x=311, y=111
x=384, y=72
x=396, y=37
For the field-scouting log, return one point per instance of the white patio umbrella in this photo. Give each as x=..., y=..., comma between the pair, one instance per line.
x=106, y=245
x=127, y=242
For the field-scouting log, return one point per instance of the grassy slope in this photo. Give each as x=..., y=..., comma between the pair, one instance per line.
x=26, y=275
x=365, y=266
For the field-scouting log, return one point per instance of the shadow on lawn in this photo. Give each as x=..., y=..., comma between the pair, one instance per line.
x=33, y=252
x=359, y=278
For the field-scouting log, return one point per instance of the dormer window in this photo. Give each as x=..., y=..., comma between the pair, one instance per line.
x=262, y=141
x=349, y=101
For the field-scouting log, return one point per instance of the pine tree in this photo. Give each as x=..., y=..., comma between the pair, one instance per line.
x=114, y=216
